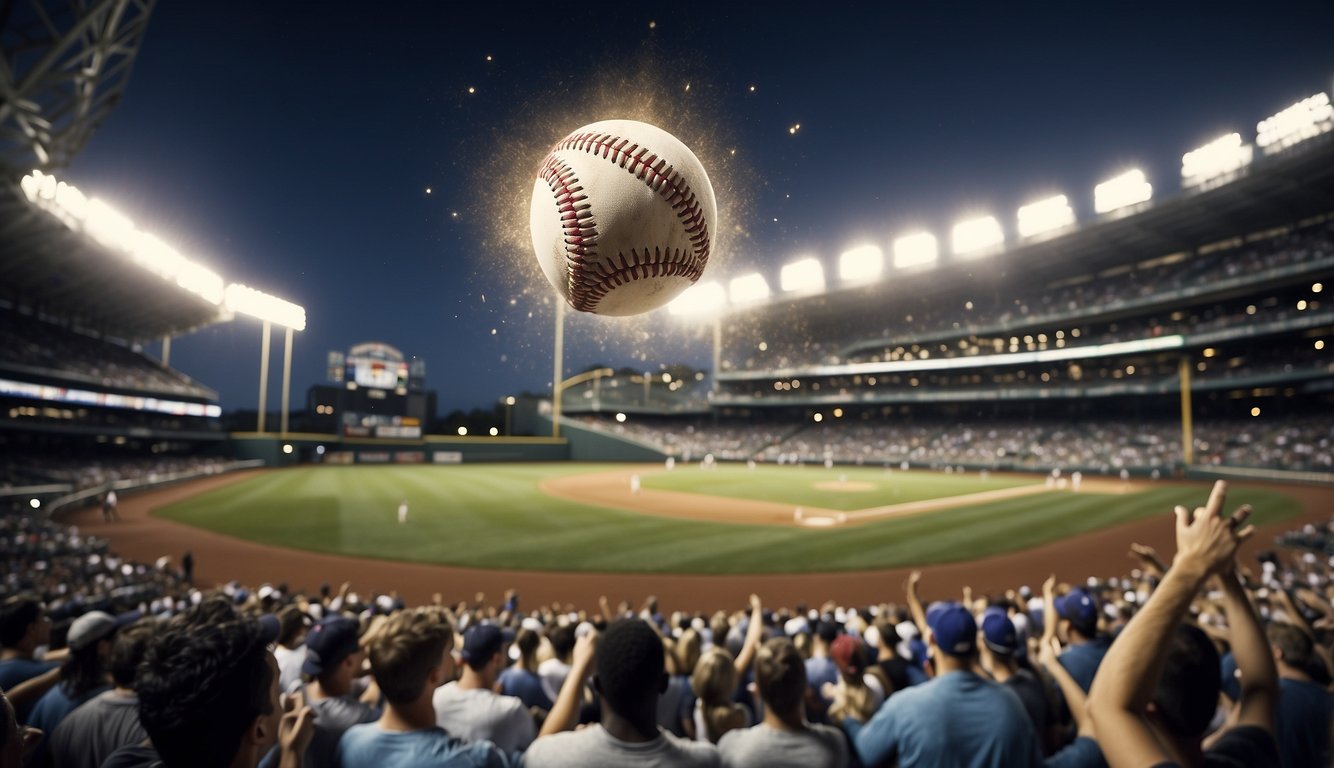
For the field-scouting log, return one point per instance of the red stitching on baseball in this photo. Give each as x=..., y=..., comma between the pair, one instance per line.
x=590, y=282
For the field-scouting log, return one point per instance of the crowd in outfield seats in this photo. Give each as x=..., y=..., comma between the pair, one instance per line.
x=1106, y=447
x=67, y=354
x=84, y=473
x=1190, y=658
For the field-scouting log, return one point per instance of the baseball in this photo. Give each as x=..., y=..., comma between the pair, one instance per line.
x=622, y=217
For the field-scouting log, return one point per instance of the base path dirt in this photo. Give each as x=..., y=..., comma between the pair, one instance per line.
x=219, y=559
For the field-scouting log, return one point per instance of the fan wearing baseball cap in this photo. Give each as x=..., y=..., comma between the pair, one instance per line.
x=957, y=718
x=334, y=659
x=470, y=709
x=1077, y=626
x=1000, y=644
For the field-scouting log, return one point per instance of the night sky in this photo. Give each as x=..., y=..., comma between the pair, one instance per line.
x=290, y=146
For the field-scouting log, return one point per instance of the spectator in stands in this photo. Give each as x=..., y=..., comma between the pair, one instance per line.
x=410, y=658
x=858, y=692
x=1077, y=626
x=898, y=671
x=784, y=738
x=677, y=702
x=1158, y=689
x=999, y=655
x=553, y=670
x=987, y=724
x=333, y=660
x=83, y=675
x=631, y=672
x=15, y=741
x=521, y=678
x=470, y=709
x=109, y=721
x=820, y=668
x=24, y=627
x=291, y=649
x=1305, y=707
x=714, y=681
x=208, y=697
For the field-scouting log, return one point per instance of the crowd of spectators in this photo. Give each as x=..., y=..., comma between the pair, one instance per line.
x=82, y=472
x=1153, y=293
x=1141, y=446
x=1182, y=657
x=54, y=350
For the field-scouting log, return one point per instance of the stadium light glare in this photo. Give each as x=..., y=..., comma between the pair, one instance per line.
x=973, y=235
x=804, y=275
x=1304, y=120
x=860, y=264
x=700, y=299
x=115, y=231
x=1222, y=156
x=248, y=301
x=915, y=250
x=1130, y=188
x=1045, y=215
x=748, y=289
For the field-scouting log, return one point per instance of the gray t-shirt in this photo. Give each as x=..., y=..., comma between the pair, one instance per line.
x=482, y=715
x=820, y=745
x=333, y=716
x=593, y=747
x=103, y=724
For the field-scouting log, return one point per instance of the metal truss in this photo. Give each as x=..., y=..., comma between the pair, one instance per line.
x=63, y=68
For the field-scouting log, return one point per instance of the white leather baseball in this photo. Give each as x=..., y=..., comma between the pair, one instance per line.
x=622, y=217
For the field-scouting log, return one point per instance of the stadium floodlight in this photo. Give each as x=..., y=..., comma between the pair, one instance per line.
x=248, y=301
x=700, y=299
x=1045, y=215
x=115, y=231
x=915, y=250
x=1304, y=120
x=974, y=235
x=1219, y=157
x=805, y=275
x=748, y=289
x=1130, y=188
x=862, y=263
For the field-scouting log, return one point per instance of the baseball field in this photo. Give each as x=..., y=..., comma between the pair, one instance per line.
x=727, y=520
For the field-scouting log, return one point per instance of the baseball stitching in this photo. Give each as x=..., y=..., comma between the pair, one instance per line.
x=590, y=281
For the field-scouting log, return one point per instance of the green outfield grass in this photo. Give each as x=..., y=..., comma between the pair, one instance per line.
x=494, y=516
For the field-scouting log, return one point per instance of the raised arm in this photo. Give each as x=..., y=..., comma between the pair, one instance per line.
x=1049, y=610
x=1255, y=662
x=565, y=712
x=915, y=602
x=754, y=632
x=1206, y=543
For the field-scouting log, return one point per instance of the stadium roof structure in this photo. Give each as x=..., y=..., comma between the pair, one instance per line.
x=1282, y=190
x=63, y=68
x=51, y=268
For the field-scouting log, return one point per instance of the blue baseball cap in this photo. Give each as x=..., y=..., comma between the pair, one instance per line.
x=1079, y=608
x=955, y=630
x=998, y=632
x=330, y=641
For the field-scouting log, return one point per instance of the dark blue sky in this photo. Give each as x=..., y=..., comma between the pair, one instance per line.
x=290, y=145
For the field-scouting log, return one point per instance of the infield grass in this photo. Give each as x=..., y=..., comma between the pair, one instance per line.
x=494, y=516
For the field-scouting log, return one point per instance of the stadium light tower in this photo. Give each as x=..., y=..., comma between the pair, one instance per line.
x=972, y=237
x=803, y=275
x=270, y=309
x=916, y=250
x=861, y=264
x=1130, y=188
x=1045, y=216
x=705, y=300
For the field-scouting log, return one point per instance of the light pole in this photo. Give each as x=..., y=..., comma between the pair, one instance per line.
x=509, y=406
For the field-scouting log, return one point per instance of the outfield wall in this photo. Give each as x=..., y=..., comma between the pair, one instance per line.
x=286, y=450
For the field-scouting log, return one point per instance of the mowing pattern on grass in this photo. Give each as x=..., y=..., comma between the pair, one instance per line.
x=493, y=516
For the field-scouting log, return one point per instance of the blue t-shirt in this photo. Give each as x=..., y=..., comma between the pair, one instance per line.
x=15, y=671
x=1082, y=660
x=820, y=670
x=1302, y=732
x=370, y=746
x=525, y=685
x=957, y=719
x=49, y=711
